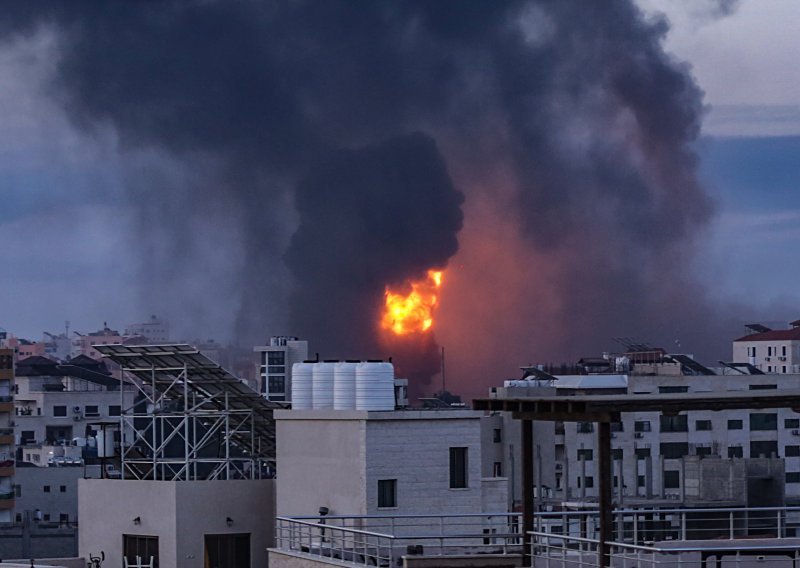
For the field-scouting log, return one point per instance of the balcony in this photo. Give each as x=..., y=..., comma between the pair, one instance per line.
x=6, y=500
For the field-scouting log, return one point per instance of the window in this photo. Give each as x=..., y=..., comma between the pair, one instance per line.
x=63, y=518
x=588, y=482
x=497, y=471
x=735, y=452
x=791, y=451
x=751, y=351
x=769, y=351
x=641, y=426
x=46, y=517
x=46, y=489
x=793, y=477
x=63, y=488
x=674, y=423
x=387, y=493
x=791, y=423
x=616, y=454
x=276, y=369
x=277, y=384
x=640, y=481
x=276, y=358
x=672, y=389
x=766, y=449
x=18, y=517
x=642, y=453
x=702, y=451
x=735, y=424
x=17, y=491
x=674, y=450
x=114, y=410
x=458, y=468
x=91, y=410
x=585, y=427
x=146, y=547
x=497, y=435
x=783, y=351
x=59, y=411
x=764, y=421
x=587, y=455
x=763, y=387
x=672, y=479
x=702, y=425
x=617, y=427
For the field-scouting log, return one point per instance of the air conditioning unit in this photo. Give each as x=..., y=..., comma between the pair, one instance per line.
x=638, y=434
x=76, y=409
x=77, y=416
x=559, y=466
x=795, y=432
x=767, y=358
x=781, y=358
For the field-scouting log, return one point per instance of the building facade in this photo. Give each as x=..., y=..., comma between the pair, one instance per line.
x=7, y=441
x=155, y=330
x=770, y=350
x=275, y=366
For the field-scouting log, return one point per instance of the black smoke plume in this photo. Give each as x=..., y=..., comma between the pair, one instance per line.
x=564, y=124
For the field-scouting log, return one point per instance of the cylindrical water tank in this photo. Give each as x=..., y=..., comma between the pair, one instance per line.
x=344, y=385
x=302, y=385
x=374, y=386
x=322, y=396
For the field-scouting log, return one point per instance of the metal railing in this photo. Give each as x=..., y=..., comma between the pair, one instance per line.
x=375, y=539
x=549, y=551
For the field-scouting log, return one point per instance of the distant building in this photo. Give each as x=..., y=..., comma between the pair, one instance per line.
x=770, y=350
x=275, y=366
x=82, y=344
x=7, y=447
x=155, y=330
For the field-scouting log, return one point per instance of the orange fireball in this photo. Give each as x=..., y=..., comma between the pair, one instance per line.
x=413, y=312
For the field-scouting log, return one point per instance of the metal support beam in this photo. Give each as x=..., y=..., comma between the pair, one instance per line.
x=527, y=489
x=605, y=475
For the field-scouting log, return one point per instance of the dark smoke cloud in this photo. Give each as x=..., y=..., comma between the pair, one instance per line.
x=564, y=124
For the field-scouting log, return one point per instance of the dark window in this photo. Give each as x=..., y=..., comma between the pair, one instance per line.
x=642, y=453
x=27, y=437
x=617, y=427
x=641, y=426
x=18, y=517
x=702, y=425
x=791, y=423
x=63, y=488
x=588, y=482
x=498, y=469
x=616, y=453
x=277, y=385
x=6, y=362
x=458, y=468
x=735, y=452
x=735, y=424
x=585, y=427
x=146, y=547
x=640, y=481
x=763, y=387
x=766, y=449
x=672, y=389
x=274, y=369
x=497, y=435
x=703, y=451
x=46, y=517
x=793, y=477
x=46, y=489
x=91, y=410
x=764, y=421
x=674, y=423
x=792, y=451
x=59, y=411
x=672, y=479
x=674, y=450
x=387, y=493
x=587, y=455
x=276, y=358
x=783, y=350
x=63, y=518
x=114, y=410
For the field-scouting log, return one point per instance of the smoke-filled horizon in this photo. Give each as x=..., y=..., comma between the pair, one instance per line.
x=305, y=155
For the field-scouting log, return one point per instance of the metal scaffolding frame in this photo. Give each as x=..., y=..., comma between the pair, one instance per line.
x=192, y=419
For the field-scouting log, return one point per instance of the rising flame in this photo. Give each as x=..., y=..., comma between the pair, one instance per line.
x=413, y=312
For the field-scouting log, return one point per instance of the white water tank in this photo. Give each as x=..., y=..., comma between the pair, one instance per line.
x=302, y=385
x=344, y=385
x=374, y=386
x=322, y=396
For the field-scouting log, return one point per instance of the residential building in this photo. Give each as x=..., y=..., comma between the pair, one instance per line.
x=770, y=350
x=155, y=330
x=275, y=365
x=82, y=344
x=7, y=446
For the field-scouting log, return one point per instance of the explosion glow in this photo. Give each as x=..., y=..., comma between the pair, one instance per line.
x=413, y=312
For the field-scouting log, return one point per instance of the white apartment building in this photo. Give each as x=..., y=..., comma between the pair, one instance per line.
x=275, y=366
x=770, y=350
x=155, y=330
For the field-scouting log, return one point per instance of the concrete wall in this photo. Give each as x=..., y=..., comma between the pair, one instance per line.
x=321, y=462
x=32, y=482
x=179, y=513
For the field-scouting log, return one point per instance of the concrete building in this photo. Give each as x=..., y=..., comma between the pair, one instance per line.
x=275, y=366
x=770, y=350
x=82, y=344
x=52, y=493
x=354, y=462
x=7, y=442
x=57, y=402
x=182, y=524
x=155, y=330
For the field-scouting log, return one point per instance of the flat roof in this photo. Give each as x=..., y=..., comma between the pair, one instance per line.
x=383, y=415
x=607, y=408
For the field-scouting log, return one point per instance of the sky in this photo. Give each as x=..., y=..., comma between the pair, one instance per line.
x=64, y=226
